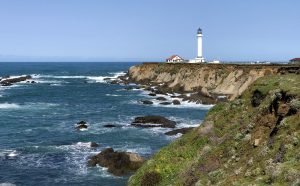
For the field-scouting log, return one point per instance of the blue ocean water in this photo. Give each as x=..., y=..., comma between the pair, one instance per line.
x=38, y=142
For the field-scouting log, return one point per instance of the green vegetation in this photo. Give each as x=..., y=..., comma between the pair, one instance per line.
x=239, y=143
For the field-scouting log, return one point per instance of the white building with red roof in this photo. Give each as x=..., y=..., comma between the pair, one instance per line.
x=174, y=59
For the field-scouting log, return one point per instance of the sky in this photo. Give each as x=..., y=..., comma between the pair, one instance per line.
x=148, y=30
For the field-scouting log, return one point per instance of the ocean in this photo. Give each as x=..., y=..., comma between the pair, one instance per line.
x=39, y=144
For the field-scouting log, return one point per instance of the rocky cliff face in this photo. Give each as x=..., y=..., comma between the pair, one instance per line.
x=211, y=80
x=252, y=140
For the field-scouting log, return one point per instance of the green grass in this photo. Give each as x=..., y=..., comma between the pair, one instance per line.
x=224, y=154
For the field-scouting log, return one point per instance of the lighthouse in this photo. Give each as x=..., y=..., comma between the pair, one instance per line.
x=199, y=58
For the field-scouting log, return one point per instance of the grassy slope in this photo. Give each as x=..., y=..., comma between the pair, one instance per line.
x=221, y=151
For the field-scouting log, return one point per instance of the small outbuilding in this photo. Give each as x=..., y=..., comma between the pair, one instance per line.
x=174, y=59
x=295, y=61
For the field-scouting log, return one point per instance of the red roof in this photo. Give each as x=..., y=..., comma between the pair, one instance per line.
x=173, y=56
x=295, y=59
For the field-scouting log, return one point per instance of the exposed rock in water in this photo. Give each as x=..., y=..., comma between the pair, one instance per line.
x=165, y=103
x=81, y=125
x=176, y=102
x=161, y=99
x=177, y=131
x=118, y=163
x=147, y=102
x=153, y=121
x=94, y=144
x=152, y=94
x=11, y=81
x=110, y=126
x=129, y=88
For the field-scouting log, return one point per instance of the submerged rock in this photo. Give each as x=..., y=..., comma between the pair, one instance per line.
x=165, y=103
x=153, y=121
x=109, y=126
x=147, y=102
x=177, y=131
x=118, y=163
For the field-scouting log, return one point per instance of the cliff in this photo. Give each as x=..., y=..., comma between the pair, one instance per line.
x=210, y=80
x=252, y=140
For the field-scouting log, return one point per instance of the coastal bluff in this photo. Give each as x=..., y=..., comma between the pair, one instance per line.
x=213, y=81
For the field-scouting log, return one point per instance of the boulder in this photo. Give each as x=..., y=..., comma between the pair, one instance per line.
x=161, y=99
x=165, y=103
x=94, y=144
x=152, y=94
x=81, y=125
x=176, y=102
x=147, y=102
x=153, y=121
x=177, y=131
x=118, y=163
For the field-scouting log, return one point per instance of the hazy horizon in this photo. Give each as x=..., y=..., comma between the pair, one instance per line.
x=137, y=31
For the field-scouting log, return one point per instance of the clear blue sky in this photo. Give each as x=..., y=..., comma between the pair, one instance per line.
x=126, y=30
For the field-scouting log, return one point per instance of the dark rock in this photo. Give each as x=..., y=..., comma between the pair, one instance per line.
x=279, y=158
x=165, y=103
x=9, y=82
x=94, y=144
x=118, y=163
x=152, y=94
x=176, y=131
x=147, y=102
x=81, y=122
x=107, y=79
x=149, y=89
x=176, y=102
x=109, y=126
x=114, y=82
x=256, y=98
x=153, y=121
x=32, y=82
x=159, y=92
x=161, y=99
x=81, y=125
x=129, y=88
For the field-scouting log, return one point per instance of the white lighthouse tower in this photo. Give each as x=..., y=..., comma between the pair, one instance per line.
x=199, y=58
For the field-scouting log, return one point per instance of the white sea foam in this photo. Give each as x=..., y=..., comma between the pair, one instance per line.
x=9, y=153
x=14, y=153
x=113, y=95
x=9, y=106
x=37, y=76
x=7, y=184
x=38, y=105
x=102, y=79
x=183, y=104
